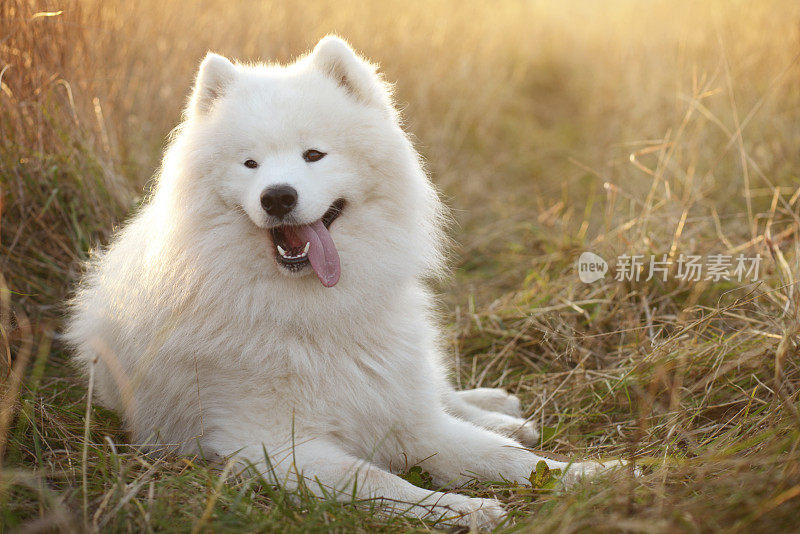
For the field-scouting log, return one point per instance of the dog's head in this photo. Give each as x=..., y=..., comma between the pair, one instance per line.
x=314, y=155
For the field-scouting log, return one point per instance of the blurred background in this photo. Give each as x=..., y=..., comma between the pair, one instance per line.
x=551, y=128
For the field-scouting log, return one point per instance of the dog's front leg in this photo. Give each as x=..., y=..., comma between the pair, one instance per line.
x=455, y=451
x=330, y=472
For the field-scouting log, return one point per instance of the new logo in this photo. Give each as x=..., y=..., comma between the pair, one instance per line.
x=591, y=267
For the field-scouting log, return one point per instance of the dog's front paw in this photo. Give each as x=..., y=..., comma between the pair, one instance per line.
x=475, y=513
x=583, y=470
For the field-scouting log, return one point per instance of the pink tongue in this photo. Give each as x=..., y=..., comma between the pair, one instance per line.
x=322, y=253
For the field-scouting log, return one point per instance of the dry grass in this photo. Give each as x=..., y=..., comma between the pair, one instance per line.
x=616, y=127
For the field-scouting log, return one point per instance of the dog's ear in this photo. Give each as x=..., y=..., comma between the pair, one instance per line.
x=216, y=73
x=334, y=58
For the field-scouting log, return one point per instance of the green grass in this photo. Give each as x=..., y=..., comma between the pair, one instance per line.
x=550, y=129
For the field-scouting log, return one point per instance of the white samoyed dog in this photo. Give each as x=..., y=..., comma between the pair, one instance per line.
x=268, y=303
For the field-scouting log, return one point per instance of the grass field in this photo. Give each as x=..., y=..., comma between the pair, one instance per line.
x=551, y=128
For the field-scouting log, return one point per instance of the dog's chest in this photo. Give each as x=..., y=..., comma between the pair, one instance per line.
x=370, y=384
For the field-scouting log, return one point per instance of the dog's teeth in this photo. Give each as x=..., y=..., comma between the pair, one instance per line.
x=287, y=256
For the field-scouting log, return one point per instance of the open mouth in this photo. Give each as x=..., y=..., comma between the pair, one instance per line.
x=297, y=246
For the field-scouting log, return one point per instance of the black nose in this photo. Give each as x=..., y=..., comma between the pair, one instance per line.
x=279, y=200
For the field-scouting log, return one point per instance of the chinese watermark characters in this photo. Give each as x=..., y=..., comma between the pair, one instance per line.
x=686, y=267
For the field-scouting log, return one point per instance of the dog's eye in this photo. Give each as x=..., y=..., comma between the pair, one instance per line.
x=251, y=164
x=313, y=155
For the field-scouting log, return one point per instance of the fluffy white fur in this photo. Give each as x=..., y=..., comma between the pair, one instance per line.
x=203, y=343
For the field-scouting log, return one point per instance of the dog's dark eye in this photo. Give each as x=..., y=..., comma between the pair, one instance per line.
x=313, y=155
x=251, y=164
